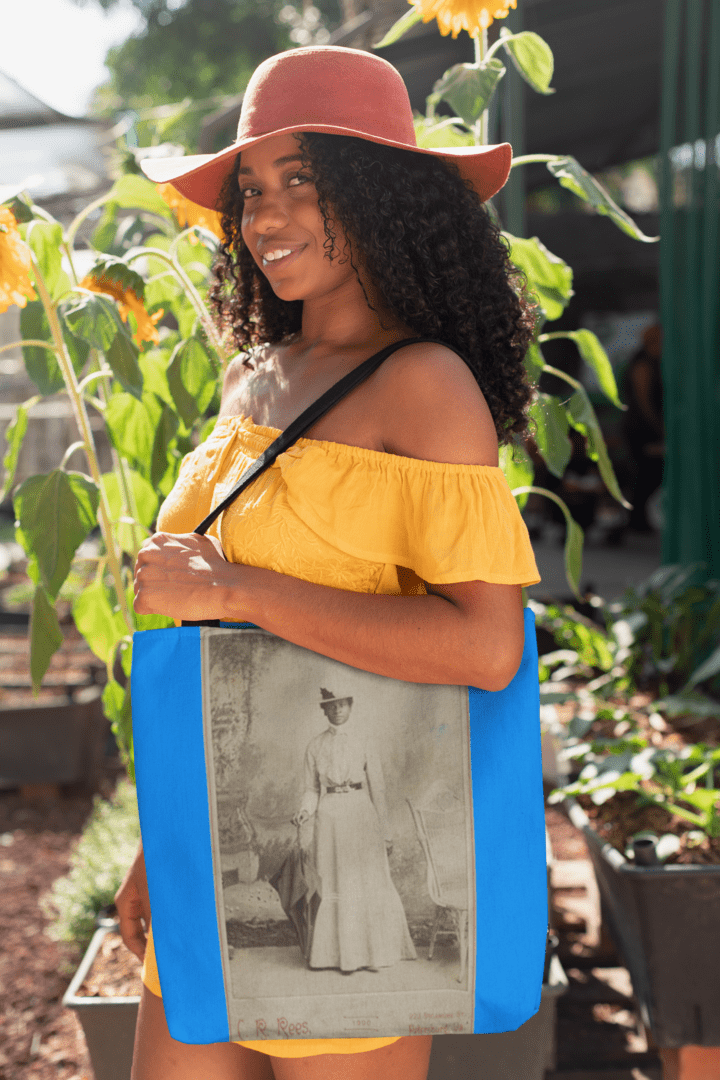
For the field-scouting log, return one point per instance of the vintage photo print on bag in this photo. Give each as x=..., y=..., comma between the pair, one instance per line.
x=341, y=821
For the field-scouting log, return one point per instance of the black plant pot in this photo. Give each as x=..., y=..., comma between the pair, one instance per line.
x=666, y=923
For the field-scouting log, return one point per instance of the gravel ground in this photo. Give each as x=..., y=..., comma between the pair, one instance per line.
x=39, y=1040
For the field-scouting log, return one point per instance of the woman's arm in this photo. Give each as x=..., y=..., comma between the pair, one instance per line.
x=470, y=632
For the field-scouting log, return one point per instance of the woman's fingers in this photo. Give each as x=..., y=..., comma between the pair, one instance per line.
x=177, y=575
x=133, y=907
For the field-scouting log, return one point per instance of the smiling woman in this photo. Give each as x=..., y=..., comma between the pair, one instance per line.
x=387, y=538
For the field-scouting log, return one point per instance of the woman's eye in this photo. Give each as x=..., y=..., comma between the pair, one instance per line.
x=248, y=192
x=299, y=178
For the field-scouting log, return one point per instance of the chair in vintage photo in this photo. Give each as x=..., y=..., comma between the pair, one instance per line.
x=441, y=830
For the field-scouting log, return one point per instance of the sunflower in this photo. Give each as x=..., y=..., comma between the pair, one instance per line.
x=128, y=302
x=456, y=15
x=15, y=264
x=189, y=213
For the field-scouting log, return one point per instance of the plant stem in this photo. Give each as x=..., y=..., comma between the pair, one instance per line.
x=562, y=374
x=480, y=130
x=195, y=299
x=85, y=213
x=530, y=159
x=83, y=423
x=29, y=342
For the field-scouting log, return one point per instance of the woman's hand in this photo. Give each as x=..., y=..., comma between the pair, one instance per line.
x=184, y=576
x=300, y=818
x=133, y=906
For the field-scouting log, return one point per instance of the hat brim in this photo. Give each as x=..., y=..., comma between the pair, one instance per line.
x=200, y=177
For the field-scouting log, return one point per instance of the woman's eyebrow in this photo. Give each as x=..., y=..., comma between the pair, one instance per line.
x=245, y=171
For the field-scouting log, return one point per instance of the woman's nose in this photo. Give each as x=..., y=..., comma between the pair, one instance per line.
x=268, y=213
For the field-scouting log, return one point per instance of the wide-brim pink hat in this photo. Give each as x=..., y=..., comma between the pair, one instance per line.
x=329, y=89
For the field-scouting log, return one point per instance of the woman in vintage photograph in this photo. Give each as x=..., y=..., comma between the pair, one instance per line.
x=360, y=922
x=388, y=538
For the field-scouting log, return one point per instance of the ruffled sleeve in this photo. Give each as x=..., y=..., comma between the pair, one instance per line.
x=445, y=522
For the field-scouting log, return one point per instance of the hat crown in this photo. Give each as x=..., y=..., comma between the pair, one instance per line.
x=327, y=86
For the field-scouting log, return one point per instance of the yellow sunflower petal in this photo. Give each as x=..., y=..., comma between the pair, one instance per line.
x=474, y=16
x=15, y=264
x=189, y=213
x=128, y=303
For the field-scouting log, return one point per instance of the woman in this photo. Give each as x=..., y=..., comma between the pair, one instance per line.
x=360, y=922
x=388, y=538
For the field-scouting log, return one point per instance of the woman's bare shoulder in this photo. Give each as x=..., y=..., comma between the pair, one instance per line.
x=431, y=407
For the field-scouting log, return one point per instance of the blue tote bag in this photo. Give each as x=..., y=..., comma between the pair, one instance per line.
x=331, y=853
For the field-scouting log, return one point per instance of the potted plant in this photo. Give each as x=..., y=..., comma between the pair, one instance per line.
x=76, y=903
x=644, y=789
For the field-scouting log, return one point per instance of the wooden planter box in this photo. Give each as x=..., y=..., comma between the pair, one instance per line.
x=109, y=1027
x=108, y=1023
x=666, y=922
x=56, y=742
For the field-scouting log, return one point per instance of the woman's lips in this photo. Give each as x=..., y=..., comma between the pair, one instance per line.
x=276, y=264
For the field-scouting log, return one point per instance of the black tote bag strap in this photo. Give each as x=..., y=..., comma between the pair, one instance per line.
x=298, y=428
x=305, y=421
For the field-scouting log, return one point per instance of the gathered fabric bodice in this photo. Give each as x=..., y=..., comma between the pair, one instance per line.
x=352, y=518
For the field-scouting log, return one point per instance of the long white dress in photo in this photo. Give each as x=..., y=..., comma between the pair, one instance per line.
x=361, y=921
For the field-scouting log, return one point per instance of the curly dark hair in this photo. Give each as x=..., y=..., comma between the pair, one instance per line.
x=429, y=245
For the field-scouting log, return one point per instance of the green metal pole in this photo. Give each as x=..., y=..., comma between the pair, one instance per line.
x=690, y=450
x=513, y=131
x=710, y=293
x=672, y=356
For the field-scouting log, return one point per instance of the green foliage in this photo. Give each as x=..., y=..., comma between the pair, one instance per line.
x=14, y=435
x=56, y=513
x=403, y=24
x=594, y=647
x=97, y=867
x=468, y=88
x=153, y=405
x=572, y=176
x=671, y=624
x=532, y=57
x=45, y=239
x=551, y=432
x=549, y=277
x=682, y=783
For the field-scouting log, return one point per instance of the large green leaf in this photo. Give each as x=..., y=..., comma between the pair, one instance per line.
x=45, y=636
x=56, y=513
x=548, y=277
x=191, y=379
x=41, y=364
x=532, y=56
x=468, y=88
x=595, y=357
x=572, y=176
x=581, y=415
x=145, y=502
x=573, y=538
x=45, y=238
x=518, y=469
x=403, y=24
x=96, y=319
x=430, y=133
x=142, y=431
x=709, y=668
x=134, y=191
x=99, y=621
x=14, y=435
x=113, y=269
x=534, y=362
x=552, y=432
x=117, y=708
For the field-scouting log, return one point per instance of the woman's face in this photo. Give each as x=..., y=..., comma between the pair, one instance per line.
x=338, y=712
x=282, y=224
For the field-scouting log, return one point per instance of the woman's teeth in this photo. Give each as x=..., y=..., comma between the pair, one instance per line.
x=271, y=256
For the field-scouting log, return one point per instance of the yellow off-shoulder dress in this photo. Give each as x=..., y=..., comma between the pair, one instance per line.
x=353, y=519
